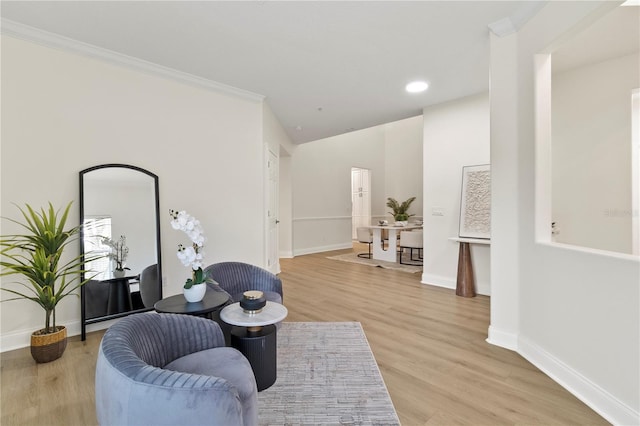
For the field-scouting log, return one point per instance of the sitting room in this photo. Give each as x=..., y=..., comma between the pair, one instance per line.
x=251, y=116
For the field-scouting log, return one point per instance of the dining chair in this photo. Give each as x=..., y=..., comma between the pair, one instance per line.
x=412, y=241
x=364, y=236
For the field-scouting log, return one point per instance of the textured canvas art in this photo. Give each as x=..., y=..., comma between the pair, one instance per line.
x=475, y=205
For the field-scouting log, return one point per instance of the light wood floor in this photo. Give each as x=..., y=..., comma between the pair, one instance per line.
x=430, y=346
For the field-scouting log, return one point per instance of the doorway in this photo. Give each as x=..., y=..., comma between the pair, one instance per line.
x=272, y=250
x=360, y=199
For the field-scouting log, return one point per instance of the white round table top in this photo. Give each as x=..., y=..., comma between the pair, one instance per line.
x=272, y=313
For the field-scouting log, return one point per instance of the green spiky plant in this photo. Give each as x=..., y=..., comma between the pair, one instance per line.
x=400, y=210
x=36, y=255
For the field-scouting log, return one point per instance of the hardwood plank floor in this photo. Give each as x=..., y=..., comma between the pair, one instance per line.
x=429, y=344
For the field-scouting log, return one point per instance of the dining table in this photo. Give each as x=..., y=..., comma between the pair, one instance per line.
x=390, y=253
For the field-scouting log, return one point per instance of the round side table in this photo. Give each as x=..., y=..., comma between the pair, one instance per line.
x=207, y=307
x=254, y=335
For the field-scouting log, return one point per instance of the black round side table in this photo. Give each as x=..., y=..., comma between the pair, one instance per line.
x=212, y=302
x=255, y=336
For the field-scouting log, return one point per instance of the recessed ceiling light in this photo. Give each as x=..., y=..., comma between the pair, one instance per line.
x=417, y=86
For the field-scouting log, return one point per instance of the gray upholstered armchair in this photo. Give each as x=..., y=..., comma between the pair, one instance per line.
x=165, y=369
x=236, y=277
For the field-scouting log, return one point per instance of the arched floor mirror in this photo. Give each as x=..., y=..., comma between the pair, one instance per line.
x=119, y=210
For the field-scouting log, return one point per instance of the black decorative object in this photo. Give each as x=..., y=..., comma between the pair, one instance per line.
x=253, y=301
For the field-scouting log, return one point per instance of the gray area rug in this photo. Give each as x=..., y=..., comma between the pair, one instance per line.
x=353, y=258
x=327, y=375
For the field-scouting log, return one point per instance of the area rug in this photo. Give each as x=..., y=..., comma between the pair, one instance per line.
x=353, y=258
x=327, y=375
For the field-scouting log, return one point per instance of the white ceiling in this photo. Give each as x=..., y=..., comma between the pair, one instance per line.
x=327, y=67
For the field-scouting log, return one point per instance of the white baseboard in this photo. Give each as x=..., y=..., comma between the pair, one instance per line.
x=286, y=254
x=438, y=281
x=601, y=401
x=22, y=338
x=311, y=250
x=484, y=289
x=15, y=340
x=451, y=282
x=502, y=338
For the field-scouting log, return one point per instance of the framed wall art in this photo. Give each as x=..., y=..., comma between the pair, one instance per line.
x=475, y=203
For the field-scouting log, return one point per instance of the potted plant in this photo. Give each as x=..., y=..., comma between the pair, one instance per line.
x=47, y=278
x=119, y=252
x=192, y=255
x=400, y=210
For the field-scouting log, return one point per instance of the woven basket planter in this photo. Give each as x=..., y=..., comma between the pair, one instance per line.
x=48, y=347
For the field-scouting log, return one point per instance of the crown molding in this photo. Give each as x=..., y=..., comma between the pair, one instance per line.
x=503, y=27
x=509, y=25
x=48, y=39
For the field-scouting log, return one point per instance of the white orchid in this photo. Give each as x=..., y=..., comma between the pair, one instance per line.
x=193, y=254
x=118, y=251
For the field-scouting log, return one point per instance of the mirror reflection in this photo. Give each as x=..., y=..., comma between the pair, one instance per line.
x=119, y=210
x=595, y=159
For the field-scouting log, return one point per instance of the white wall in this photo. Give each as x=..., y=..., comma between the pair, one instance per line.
x=573, y=313
x=448, y=146
x=403, y=163
x=274, y=134
x=62, y=113
x=321, y=175
x=285, y=208
x=591, y=164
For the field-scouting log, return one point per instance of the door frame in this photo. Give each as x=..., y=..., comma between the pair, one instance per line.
x=271, y=212
x=368, y=190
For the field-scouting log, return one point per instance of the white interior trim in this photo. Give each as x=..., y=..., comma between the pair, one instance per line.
x=306, y=219
x=45, y=38
x=321, y=249
x=543, y=166
x=503, y=339
x=438, y=280
x=601, y=401
x=635, y=172
x=22, y=338
x=598, y=252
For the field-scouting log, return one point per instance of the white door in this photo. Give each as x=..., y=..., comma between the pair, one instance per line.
x=360, y=199
x=273, y=259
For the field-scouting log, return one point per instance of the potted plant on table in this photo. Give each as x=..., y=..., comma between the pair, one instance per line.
x=192, y=255
x=118, y=253
x=400, y=210
x=37, y=257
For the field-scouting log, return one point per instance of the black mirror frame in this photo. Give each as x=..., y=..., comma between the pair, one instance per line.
x=85, y=321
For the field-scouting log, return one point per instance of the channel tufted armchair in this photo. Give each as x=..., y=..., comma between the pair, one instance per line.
x=236, y=277
x=167, y=369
